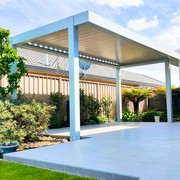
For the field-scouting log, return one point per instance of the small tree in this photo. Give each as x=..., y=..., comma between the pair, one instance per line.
x=56, y=99
x=160, y=90
x=89, y=106
x=106, y=104
x=136, y=95
x=8, y=57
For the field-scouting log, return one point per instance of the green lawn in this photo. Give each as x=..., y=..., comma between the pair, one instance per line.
x=15, y=171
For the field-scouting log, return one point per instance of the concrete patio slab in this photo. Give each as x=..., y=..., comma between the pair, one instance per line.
x=91, y=130
x=150, y=151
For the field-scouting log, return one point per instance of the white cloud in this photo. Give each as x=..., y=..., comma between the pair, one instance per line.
x=115, y=4
x=170, y=38
x=176, y=17
x=142, y=24
x=8, y=3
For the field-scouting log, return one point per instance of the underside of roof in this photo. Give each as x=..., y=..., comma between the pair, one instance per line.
x=100, y=41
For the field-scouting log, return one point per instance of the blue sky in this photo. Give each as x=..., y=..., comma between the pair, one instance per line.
x=158, y=20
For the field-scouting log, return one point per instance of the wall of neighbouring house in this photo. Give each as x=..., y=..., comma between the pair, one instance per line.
x=41, y=86
x=159, y=102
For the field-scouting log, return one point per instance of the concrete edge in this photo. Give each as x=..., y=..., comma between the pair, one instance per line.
x=70, y=169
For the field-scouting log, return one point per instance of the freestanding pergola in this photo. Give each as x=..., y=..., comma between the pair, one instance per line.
x=91, y=38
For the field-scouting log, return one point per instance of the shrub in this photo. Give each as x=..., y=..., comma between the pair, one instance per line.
x=103, y=119
x=106, y=104
x=89, y=107
x=93, y=120
x=24, y=122
x=54, y=122
x=148, y=116
x=176, y=117
x=10, y=132
x=128, y=116
x=5, y=111
x=56, y=99
x=33, y=118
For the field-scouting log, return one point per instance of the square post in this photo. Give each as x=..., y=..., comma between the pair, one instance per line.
x=179, y=73
x=168, y=92
x=13, y=70
x=118, y=95
x=74, y=82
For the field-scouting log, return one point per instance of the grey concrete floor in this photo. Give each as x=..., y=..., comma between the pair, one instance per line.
x=150, y=151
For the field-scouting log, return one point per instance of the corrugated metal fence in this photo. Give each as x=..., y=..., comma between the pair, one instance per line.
x=41, y=85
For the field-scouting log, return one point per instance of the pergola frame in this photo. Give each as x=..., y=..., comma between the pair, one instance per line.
x=92, y=38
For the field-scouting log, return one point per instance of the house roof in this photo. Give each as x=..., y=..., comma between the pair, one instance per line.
x=41, y=61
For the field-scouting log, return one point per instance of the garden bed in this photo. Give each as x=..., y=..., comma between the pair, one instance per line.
x=43, y=141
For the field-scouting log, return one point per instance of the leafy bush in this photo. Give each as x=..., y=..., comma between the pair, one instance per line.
x=24, y=122
x=176, y=117
x=33, y=118
x=103, y=119
x=106, y=104
x=93, y=120
x=128, y=116
x=89, y=107
x=148, y=116
x=56, y=99
x=55, y=122
x=10, y=132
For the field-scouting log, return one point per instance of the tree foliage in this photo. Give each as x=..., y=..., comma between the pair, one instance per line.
x=9, y=57
x=89, y=107
x=106, y=104
x=136, y=95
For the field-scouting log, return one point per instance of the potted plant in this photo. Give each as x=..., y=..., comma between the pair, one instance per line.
x=157, y=118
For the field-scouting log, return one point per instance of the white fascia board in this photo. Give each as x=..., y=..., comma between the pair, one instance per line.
x=50, y=28
x=81, y=18
x=41, y=31
x=121, y=31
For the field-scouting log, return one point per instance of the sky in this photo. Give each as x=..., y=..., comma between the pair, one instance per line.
x=158, y=20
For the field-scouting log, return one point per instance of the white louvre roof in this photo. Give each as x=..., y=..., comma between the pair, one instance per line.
x=100, y=41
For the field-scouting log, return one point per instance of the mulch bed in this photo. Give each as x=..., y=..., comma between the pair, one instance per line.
x=43, y=141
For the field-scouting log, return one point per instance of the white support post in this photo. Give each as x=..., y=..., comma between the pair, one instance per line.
x=179, y=73
x=168, y=92
x=13, y=70
x=74, y=83
x=118, y=95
